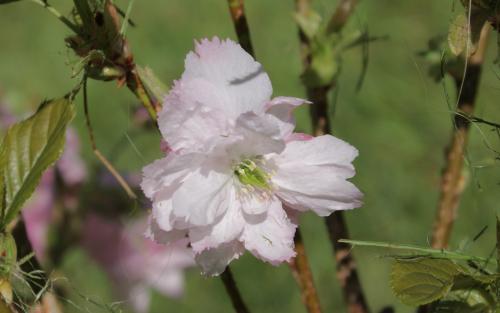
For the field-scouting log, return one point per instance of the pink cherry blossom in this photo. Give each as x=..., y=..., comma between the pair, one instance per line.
x=136, y=265
x=236, y=164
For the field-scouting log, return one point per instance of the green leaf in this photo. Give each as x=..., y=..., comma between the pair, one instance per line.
x=152, y=83
x=8, y=1
x=419, y=281
x=458, y=35
x=459, y=307
x=324, y=66
x=309, y=23
x=30, y=147
x=463, y=36
x=8, y=254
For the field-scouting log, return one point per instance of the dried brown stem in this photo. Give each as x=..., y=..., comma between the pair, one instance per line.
x=302, y=273
x=233, y=292
x=236, y=7
x=452, y=180
x=337, y=227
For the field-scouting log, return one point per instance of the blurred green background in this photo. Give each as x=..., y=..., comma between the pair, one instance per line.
x=399, y=121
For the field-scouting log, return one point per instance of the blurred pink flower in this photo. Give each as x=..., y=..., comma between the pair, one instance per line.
x=236, y=163
x=38, y=211
x=136, y=264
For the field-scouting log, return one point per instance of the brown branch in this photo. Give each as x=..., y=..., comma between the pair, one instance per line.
x=344, y=10
x=336, y=225
x=302, y=273
x=233, y=292
x=346, y=265
x=452, y=180
x=237, y=10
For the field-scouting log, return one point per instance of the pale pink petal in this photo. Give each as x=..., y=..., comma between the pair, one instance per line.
x=227, y=228
x=312, y=175
x=233, y=73
x=167, y=281
x=139, y=297
x=323, y=151
x=270, y=238
x=214, y=261
x=163, y=173
x=298, y=137
x=155, y=233
x=256, y=202
x=260, y=135
x=202, y=197
x=282, y=109
x=189, y=121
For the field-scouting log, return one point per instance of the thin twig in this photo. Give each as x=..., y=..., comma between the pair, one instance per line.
x=236, y=7
x=302, y=273
x=438, y=253
x=452, y=180
x=58, y=15
x=336, y=225
x=233, y=292
x=98, y=153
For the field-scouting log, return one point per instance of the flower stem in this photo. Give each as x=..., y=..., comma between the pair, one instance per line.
x=336, y=225
x=452, y=180
x=236, y=7
x=302, y=273
x=58, y=15
x=233, y=292
x=441, y=253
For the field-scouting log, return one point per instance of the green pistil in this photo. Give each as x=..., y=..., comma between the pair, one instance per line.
x=250, y=174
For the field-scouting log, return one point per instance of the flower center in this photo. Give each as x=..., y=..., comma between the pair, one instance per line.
x=249, y=174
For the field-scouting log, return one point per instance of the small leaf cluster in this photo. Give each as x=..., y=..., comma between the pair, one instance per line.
x=449, y=286
x=325, y=48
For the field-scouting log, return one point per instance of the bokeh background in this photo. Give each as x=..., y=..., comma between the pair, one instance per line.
x=399, y=120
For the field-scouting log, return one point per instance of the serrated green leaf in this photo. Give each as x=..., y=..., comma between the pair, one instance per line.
x=30, y=147
x=309, y=23
x=459, y=307
x=419, y=281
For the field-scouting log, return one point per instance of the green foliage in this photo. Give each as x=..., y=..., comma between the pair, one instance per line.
x=29, y=147
x=8, y=257
x=325, y=48
x=8, y=254
x=419, y=281
x=153, y=84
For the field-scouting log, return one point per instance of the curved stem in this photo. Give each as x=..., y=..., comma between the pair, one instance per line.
x=233, y=292
x=236, y=7
x=302, y=273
